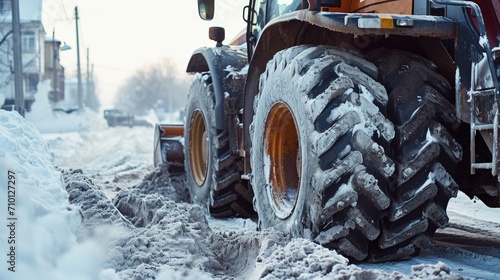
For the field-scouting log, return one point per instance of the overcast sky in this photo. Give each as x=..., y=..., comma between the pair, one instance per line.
x=125, y=35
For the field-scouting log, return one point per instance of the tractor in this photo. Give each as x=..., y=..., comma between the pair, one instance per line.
x=350, y=123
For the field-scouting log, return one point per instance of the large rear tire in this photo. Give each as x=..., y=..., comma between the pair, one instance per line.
x=318, y=157
x=213, y=171
x=424, y=151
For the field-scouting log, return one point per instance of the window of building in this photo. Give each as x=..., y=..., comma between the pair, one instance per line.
x=32, y=83
x=28, y=43
x=5, y=6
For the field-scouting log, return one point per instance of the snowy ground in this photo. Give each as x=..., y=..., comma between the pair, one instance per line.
x=90, y=205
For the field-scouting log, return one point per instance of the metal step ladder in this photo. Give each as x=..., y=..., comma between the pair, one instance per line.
x=476, y=125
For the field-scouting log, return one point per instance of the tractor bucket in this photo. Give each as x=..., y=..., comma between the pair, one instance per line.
x=169, y=146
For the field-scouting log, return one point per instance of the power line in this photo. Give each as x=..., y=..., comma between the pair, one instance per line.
x=61, y=3
x=52, y=11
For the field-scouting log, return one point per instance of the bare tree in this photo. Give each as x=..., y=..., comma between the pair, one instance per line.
x=156, y=84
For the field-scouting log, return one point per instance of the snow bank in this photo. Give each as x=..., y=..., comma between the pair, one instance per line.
x=42, y=220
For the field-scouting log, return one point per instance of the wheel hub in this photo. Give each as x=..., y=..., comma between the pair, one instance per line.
x=198, y=147
x=282, y=159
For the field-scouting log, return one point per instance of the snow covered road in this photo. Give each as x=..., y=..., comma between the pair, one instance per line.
x=118, y=159
x=106, y=155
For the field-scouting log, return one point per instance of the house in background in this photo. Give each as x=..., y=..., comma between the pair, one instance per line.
x=54, y=71
x=33, y=58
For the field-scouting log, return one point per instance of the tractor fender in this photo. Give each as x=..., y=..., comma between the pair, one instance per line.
x=228, y=68
x=336, y=29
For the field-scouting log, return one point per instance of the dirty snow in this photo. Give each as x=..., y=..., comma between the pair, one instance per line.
x=90, y=205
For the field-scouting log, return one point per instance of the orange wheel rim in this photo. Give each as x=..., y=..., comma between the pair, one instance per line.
x=282, y=159
x=198, y=147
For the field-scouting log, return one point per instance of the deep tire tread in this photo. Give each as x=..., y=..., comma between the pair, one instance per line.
x=423, y=151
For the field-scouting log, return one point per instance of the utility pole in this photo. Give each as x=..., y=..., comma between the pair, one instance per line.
x=80, y=106
x=87, y=81
x=54, y=65
x=18, y=62
x=92, y=85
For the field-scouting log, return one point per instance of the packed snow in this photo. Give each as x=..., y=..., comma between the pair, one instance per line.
x=89, y=204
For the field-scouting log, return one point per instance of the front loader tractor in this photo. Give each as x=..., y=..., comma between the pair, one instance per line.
x=348, y=122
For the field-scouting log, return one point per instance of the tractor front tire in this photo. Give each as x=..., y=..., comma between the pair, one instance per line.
x=213, y=171
x=319, y=140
